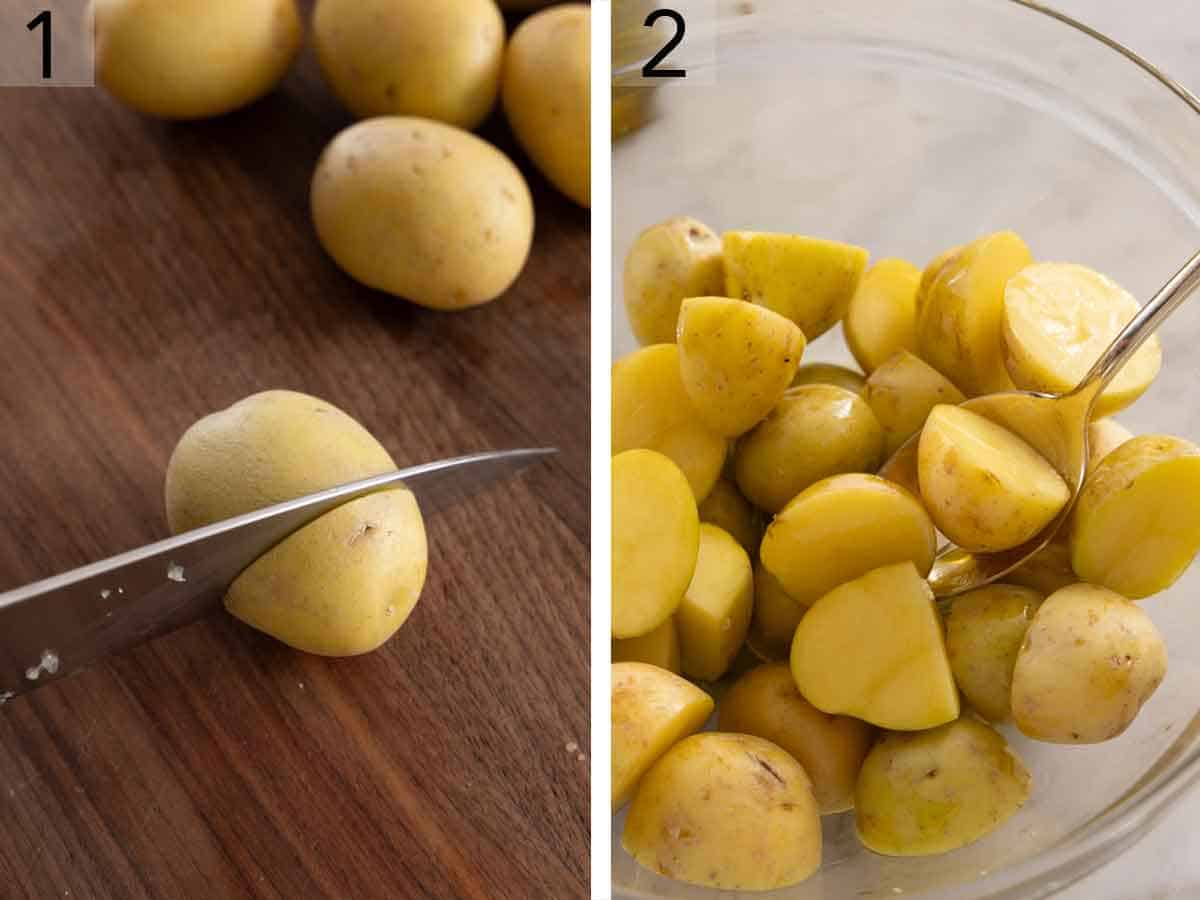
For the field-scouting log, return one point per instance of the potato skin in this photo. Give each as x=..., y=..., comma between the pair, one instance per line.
x=901, y=392
x=828, y=373
x=193, y=59
x=669, y=262
x=775, y=618
x=423, y=211
x=726, y=508
x=714, y=614
x=881, y=318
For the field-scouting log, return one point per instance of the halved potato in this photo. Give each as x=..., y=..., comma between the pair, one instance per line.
x=882, y=316
x=828, y=373
x=726, y=508
x=715, y=611
x=901, y=392
x=775, y=618
x=659, y=647
x=669, y=262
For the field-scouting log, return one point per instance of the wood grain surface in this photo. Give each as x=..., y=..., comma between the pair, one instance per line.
x=152, y=273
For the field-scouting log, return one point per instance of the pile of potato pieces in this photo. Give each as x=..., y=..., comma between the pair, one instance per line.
x=798, y=572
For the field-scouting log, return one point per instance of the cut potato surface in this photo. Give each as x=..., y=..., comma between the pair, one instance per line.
x=1136, y=525
x=669, y=262
x=715, y=611
x=727, y=811
x=882, y=316
x=842, y=528
x=1104, y=436
x=808, y=280
x=873, y=649
x=659, y=647
x=651, y=410
x=985, y=488
x=901, y=392
x=655, y=541
x=1058, y=319
x=775, y=618
x=652, y=710
x=736, y=360
x=828, y=373
x=726, y=508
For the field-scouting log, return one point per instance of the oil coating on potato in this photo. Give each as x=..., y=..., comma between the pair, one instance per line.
x=882, y=317
x=736, y=360
x=901, y=392
x=728, y=811
x=828, y=373
x=934, y=791
x=669, y=262
x=652, y=710
x=775, y=618
x=715, y=610
x=1089, y=661
x=659, y=647
x=1136, y=525
x=726, y=508
x=765, y=702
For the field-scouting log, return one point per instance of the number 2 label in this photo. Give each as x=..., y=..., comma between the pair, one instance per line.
x=651, y=70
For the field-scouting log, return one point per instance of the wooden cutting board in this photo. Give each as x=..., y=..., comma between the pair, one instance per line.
x=151, y=273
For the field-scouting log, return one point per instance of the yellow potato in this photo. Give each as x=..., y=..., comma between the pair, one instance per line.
x=901, y=392
x=1047, y=570
x=1104, y=436
x=808, y=280
x=929, y=273
x=882, y=316
x=1058, y=319
x=192, y=59
x=655, y=541
x=423, y=211
x=652, y=710
x=651, y=409
x=631, y=109
x=1136, y=525
x=815, y=431
x=547, y=95
x=765, y=702
x=842, y=528
x=959, y=331
x=827, y=373
x=669, y=262
x=984, y=631
x=715, y=611
x=934, y=791
x=659, y=647
x=412, y=58
x=736, y=360
x=985, y=488
x=775, y=618
x=523, y=5
x=872, y=648
x=1089, y=661
x=726, y=508
x=727, y=811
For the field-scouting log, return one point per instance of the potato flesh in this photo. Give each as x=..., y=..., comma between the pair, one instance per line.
x=1089, y=661
x=842, y=528
x=726, y=508
x=882, y=316
x=1103, y=437
x=715, y=610
x=902, y=391
x=652, y=710
x=775, y=618
x=807, y=280
x=727, y=811
x=873, y=649
x=655, y=541
x=669, y=262
x=828, y=373
x=736, y=360
x=651, y=410
x=1136, y=525
x=1058, y=319
x=659, y=647
x=985, y=488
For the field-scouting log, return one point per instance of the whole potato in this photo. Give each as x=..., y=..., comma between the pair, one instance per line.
x=828, y=373
x=547, y=95
x=669, y=262
x=192, y=59
x=726, y=508
x=411, y=57
x=424, y=211
x=1047, y=570
x=776, y=615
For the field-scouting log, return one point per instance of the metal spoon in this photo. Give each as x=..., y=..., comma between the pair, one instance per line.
x=1053, y=424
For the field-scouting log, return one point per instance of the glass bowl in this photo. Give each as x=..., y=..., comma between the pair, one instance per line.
x=907, y=128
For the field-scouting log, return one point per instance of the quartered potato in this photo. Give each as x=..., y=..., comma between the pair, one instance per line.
x=715, y=611
x=828, y=373
x=872, y=648
x=726, y=508
x=808, y=280
x=669, y=262
x=775, y=618
x=882, y=316
x=659, y=647
x=736, y=360
x=651, y=409
x=985, y=488
x=901, y=392
x=655, y=541
x=1058, y=319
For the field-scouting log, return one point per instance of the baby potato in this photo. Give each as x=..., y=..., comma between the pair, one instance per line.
x=736, y=360
x=659, y=647
x=655, y=541
x=901, y=392
x=1047, y=570
x=828, y=373
x=934, y=791
x=776, y=615
x=882, y=316
x=929, y=273
x=547, y=95
x=842, y=528
x=1058, y=319
x=669, y=262
x=1103, y=437
x=872, y=648
x=423, y=211
x=1136, y=525
x=651, y=409
x=715, y=611
x=523, y=5
x=765, y=702
x=984, y=631
x=651, y=711
x=412, y=58
x=1089, y=661
x=727, y=811
x=959, y=331
x=807, y=280
x=985, y=488
x=192, y=59
x=726, y=508
x=815, y=431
